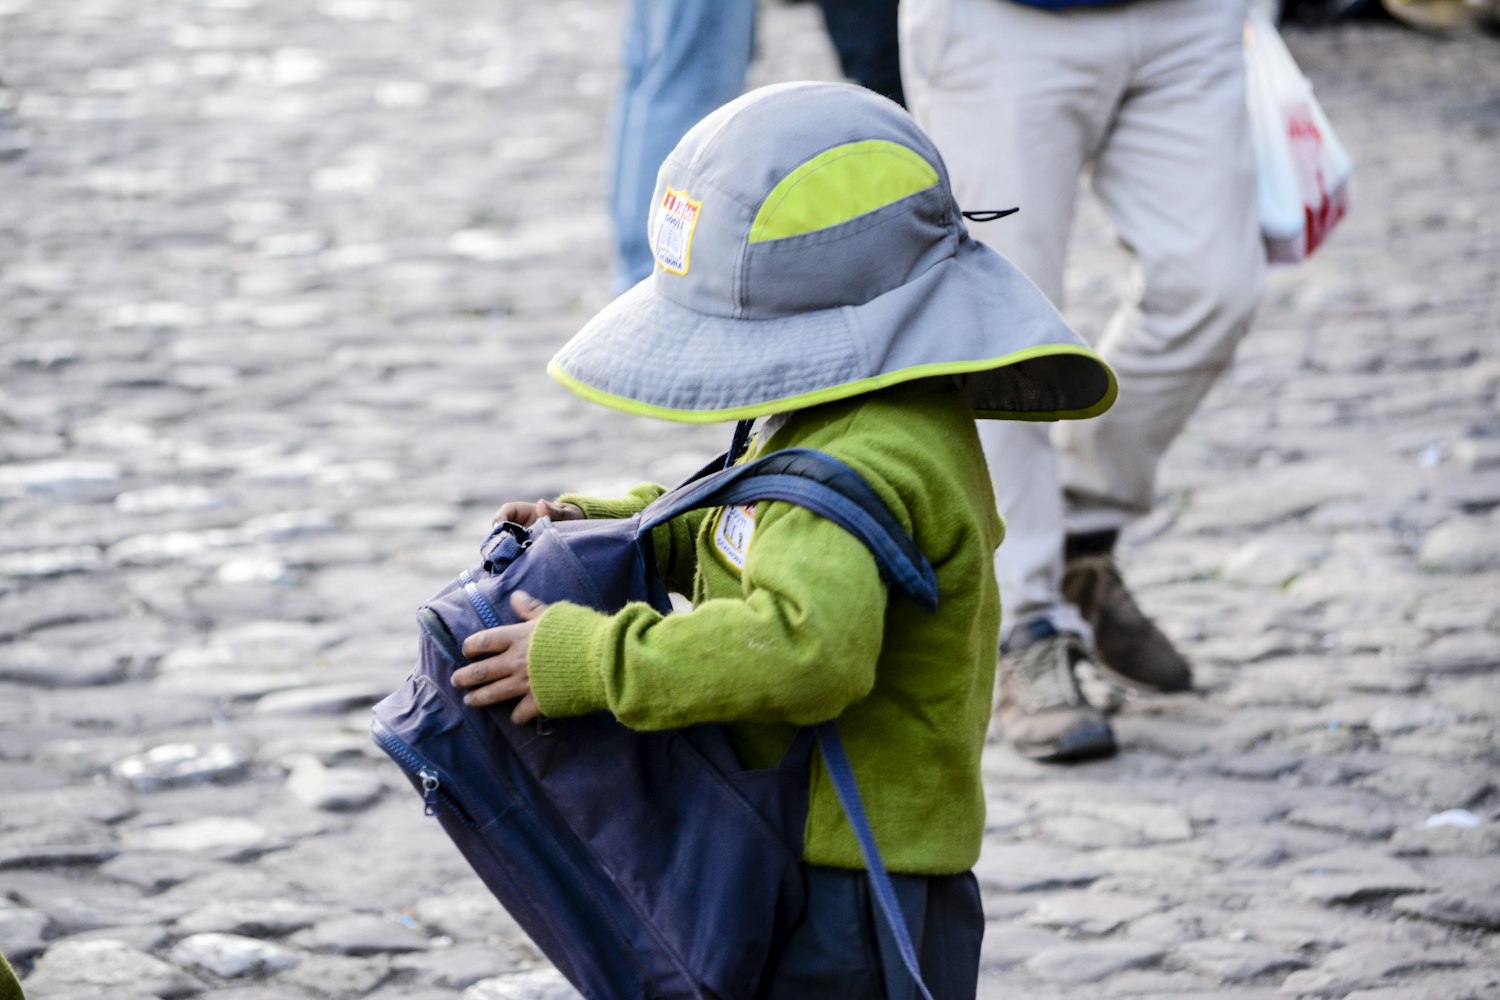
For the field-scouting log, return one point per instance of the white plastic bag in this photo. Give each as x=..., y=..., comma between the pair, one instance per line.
x=1304, y=170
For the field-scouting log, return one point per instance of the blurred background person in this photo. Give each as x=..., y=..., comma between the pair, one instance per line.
x=1146, y=100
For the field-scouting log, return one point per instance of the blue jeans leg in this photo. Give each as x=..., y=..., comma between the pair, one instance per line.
x=681, y=60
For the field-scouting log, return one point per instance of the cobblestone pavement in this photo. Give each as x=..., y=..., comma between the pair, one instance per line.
x=278, y=279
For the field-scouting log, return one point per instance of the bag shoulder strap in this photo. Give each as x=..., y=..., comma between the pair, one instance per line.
x=828, y=487
x=822, y=484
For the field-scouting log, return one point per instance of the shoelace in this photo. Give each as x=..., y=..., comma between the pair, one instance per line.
x=1040, y=674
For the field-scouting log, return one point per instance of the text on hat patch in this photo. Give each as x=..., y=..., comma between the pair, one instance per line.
x=675, y=223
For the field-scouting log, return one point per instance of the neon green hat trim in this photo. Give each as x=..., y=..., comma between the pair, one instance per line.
x=840, y=184
x=855, y=388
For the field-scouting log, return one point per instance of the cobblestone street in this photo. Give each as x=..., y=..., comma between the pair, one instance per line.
x=278, y=283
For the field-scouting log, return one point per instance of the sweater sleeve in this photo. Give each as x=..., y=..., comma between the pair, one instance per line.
x=672, y=543
x=799, y=645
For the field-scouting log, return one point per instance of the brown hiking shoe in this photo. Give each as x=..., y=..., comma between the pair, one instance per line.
x=1041, y=712
x=1129, y=646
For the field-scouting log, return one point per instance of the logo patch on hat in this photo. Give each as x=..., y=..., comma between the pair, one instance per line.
x=675, y=223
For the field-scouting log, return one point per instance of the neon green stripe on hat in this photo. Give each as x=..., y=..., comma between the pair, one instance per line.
x=840, y=184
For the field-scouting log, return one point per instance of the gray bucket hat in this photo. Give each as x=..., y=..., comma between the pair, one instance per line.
x=808, y=248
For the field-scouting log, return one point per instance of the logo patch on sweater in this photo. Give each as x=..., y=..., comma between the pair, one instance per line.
x=733, y=532
x=675, y=222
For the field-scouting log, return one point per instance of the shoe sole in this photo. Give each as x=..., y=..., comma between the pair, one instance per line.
x=1090, y=743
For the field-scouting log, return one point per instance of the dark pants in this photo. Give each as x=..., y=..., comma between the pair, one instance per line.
x=842, y=949
x=863, y=33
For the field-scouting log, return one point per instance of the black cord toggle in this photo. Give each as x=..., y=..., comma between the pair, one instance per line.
x=989, y=214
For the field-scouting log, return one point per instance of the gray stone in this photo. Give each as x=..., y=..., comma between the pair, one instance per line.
x=361, y=934
x=1471, y=984
x=1331, y=889
x=1424, y=840
x=230, y=956
x=1093, y=914
x=1154, y=862
x=1403, y=717
x=1451, y=613
x=1366, y=821
x=1463, y=909
x=153, y=871
x=333, y=789
x=1006, y=946
x=51, y=562
x=1275, y=495
x=1463, y=653
x=539, y=985
x=51, y=666
x=1462, y=545
x=1265, y=562
x=22, y=932
x=108, y=968
x=1238, y=961
x=1014, y=868
x=67, y=804
x=1430, y=784
x=1257, y=766
x=50, y=603
x=473, y=916
x=456, y=968
x=150, y=938
x=226, y=837
x=176, y=765
x=1102, y=822
x=56, y=843
x=1363, y=965
x=260, y=918
x=60, y=478
x=1180, y=923
x=336, y=975
x=79, y=907
x=325, y=699
x=1074, y=965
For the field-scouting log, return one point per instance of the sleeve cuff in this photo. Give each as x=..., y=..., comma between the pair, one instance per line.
x=626, y=506
x=562, y=667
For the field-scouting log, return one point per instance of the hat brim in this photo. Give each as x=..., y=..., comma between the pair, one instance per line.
x=973, y=316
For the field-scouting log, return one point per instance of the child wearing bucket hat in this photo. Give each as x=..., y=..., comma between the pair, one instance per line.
x=814, y=270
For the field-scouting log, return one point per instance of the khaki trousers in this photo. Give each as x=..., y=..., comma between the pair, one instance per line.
x=1145, y=101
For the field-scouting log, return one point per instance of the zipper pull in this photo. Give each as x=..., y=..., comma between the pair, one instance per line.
x=430, y=785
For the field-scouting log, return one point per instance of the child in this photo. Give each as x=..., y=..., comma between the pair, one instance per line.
x=813, y=269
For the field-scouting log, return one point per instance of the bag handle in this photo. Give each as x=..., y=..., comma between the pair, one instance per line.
x=841, y=773
x=825, y=736
x=822, y=484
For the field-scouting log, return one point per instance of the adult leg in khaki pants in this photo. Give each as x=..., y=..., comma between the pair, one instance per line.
x=1146, y=101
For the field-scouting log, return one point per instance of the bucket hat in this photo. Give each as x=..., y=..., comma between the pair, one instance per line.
x=808, y=248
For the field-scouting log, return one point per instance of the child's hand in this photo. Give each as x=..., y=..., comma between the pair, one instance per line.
x=526, y=514
x=503, y=673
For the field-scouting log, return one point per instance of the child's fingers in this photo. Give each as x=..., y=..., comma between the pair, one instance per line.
x=559, y=511
x=517, y=511
x=526, y=710
x=484, y=671
x=506, y=689
x=488, y=642
x=526, y=606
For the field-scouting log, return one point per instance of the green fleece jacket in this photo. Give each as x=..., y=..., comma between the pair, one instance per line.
x=792, y=625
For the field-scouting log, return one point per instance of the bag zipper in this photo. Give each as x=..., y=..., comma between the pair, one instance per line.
x=433, y=791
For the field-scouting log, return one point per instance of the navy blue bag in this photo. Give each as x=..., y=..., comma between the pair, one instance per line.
x=643, y=864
